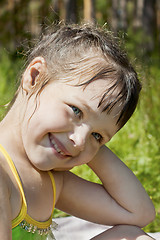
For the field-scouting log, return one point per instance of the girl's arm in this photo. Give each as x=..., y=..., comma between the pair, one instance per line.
x=123, y=186
x=5, y=209
x=120, y=199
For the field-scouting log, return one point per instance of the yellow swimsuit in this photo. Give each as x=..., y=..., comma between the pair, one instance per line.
x=36, y=230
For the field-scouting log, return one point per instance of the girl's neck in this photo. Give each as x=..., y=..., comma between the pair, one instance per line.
x=10, y=128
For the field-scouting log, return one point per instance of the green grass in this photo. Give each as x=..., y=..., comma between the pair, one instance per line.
x=9, y=76
x=137, y=144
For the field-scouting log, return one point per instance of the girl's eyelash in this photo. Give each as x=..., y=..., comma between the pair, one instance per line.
x=97, y=136
x=77, y=111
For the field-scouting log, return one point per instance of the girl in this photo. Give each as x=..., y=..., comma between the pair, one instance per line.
x=77, y=91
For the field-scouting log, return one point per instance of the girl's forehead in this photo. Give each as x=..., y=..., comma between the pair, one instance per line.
x=84, y=68
x=92, y=92
x=93, y=74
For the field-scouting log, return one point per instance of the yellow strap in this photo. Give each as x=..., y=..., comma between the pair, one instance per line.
x=49, y=221
x=23, y=212
x=54, y=189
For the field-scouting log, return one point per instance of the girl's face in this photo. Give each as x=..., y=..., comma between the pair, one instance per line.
x=67, y=129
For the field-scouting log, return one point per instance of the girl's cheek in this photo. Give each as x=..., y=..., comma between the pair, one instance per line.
x=61, y=121
x=92, y=151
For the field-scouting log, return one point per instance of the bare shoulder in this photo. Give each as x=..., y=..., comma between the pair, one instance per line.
x=5, y=207
x=5, y=178
x=5, y=190
x=4, y=183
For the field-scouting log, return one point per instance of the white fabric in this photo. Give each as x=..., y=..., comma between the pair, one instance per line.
x=72, y=228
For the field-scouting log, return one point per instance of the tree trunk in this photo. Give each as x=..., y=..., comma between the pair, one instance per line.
x=123, y=15
x=119, y=15
x=56, y=10
x=44, y=13
x=89, y=11
x=10, y=5
x=158, y=25
x=20, y=21
x=115, y=16
x=70, y=11
x=149, y=22
x=138, y=14
x=35, y=28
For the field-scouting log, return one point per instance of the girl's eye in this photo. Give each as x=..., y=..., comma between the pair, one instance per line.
x=97, y=136
x=77, y=111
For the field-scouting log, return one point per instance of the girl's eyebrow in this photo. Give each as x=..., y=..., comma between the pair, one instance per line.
x=83, y=102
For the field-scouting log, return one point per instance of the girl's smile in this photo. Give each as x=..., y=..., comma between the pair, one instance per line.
x=67, y=128
x=58, y=147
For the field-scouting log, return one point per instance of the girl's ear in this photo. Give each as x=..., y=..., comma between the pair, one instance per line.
x=30, y=76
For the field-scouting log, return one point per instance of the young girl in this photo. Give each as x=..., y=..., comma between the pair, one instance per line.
x=77, y=91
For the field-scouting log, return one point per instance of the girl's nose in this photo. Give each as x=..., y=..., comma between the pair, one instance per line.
x=79, y=136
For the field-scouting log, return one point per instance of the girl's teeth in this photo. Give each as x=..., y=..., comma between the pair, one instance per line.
x=57, y=149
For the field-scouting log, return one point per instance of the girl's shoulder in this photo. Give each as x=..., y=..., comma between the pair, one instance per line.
x=4, y=173
x=8, y=186
x=5, y=207
x=5, y=184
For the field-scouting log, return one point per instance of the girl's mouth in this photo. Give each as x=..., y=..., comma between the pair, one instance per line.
x=60, y=149
x=57, y=148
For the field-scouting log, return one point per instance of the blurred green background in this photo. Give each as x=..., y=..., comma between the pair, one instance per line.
x=137, y=23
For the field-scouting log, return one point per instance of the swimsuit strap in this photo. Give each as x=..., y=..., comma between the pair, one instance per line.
x=49, y=221
x=23, y=212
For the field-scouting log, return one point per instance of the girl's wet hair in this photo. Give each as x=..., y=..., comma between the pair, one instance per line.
x=70, y=47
